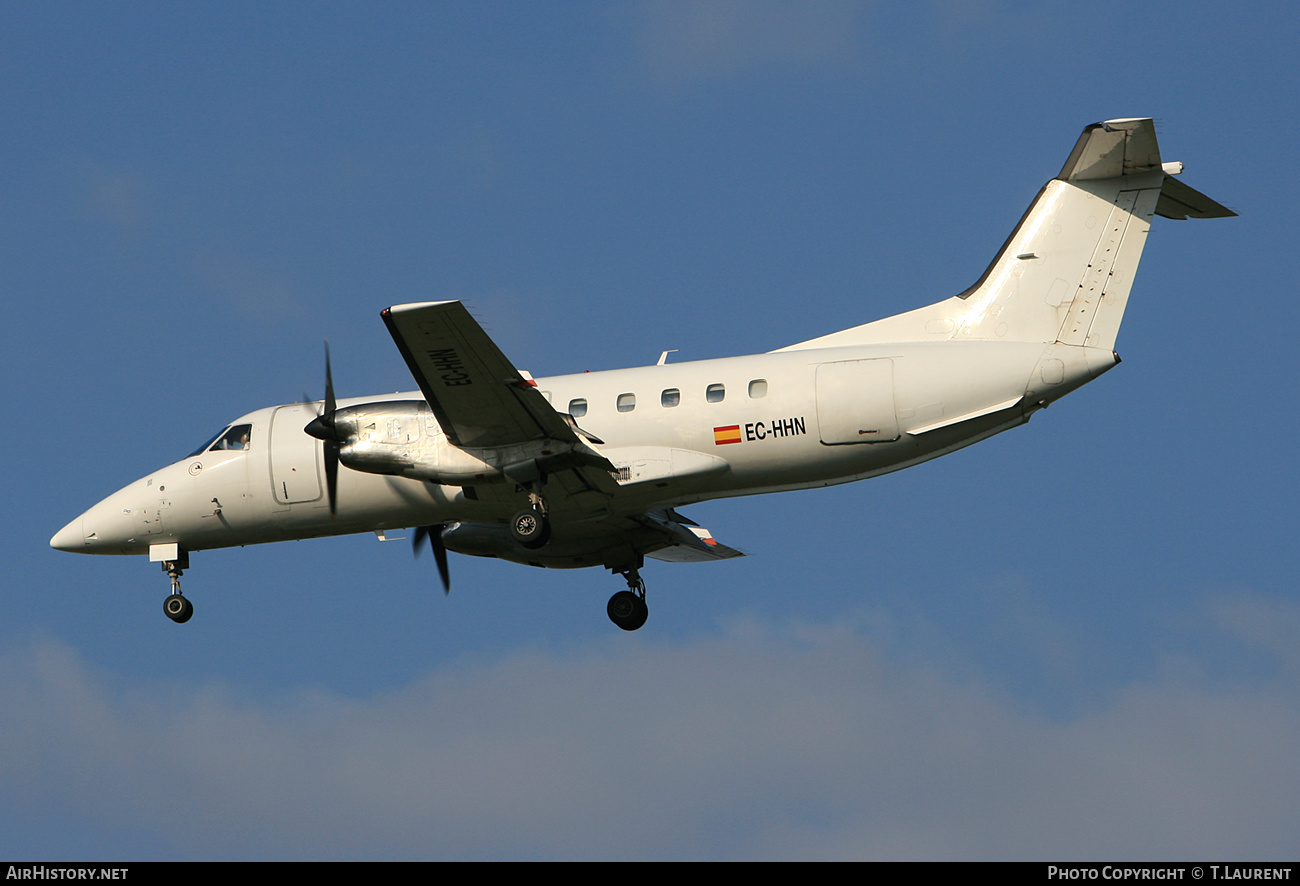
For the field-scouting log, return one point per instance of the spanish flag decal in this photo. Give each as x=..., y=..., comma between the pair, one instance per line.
x=729, y=434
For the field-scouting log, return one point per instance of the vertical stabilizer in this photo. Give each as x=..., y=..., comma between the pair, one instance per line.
x=1065, y=273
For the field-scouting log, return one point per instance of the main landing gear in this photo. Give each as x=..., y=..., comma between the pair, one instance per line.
x=627, y=609
x=530, y=527
x=176, y=607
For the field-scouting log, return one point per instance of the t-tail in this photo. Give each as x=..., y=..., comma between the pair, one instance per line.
x=1064, y=274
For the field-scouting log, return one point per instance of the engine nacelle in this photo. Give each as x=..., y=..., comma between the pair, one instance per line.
x=402, y=437
x=480, y=540
x=565, y=550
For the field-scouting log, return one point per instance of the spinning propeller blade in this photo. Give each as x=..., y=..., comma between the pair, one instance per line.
x=322, y=428
x=434, y=535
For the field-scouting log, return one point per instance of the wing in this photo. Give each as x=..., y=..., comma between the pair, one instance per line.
x=482, y=402
x=477, y=395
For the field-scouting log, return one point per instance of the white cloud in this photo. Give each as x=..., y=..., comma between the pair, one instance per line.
x=760, y=743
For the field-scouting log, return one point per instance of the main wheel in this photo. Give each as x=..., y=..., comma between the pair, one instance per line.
x=530, y=528
x=627, y=610
x=178, y=609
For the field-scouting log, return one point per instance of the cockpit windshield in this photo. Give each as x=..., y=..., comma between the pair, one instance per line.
x=206, y=443
x=233, y=438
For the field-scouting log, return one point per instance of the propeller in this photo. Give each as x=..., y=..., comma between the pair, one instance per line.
x=322, y=427
x=434, y=534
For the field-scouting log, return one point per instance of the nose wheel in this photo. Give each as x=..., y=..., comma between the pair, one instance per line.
x=627, y=609
x=176, y=607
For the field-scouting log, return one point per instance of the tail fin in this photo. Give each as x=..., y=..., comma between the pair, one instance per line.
x=1065, y=272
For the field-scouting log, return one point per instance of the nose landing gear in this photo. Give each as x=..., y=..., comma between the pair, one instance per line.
x=176, y=607
x=627, y=609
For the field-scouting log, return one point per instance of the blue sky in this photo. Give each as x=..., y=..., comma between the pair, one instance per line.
x=1075, y=640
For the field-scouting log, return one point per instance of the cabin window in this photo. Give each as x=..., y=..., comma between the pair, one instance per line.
x=758, y=389
x=626, y=402
x=547, y=395
x=715, y=393
x=670, y=397
x=578, y=408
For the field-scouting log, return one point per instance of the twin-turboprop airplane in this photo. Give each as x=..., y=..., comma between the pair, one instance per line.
x=588, y=470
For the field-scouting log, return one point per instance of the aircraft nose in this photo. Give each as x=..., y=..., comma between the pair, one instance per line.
x=107, y=528
x=71, y=537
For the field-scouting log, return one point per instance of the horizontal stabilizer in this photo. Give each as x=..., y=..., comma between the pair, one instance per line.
x=692, y=542
x=1128, y=147
x=1180, y=201
x=1113, y=149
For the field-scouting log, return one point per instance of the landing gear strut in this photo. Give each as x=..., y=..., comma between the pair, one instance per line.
x=176, y=607
x=627, y=609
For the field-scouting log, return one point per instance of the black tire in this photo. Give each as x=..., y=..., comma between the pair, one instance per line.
x=627, y=610
x=178, y=609
x=530, y=529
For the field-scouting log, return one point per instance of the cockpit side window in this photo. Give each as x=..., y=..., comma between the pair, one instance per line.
x=234, y=439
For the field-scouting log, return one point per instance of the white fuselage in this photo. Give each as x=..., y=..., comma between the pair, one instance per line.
x=782, y=420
